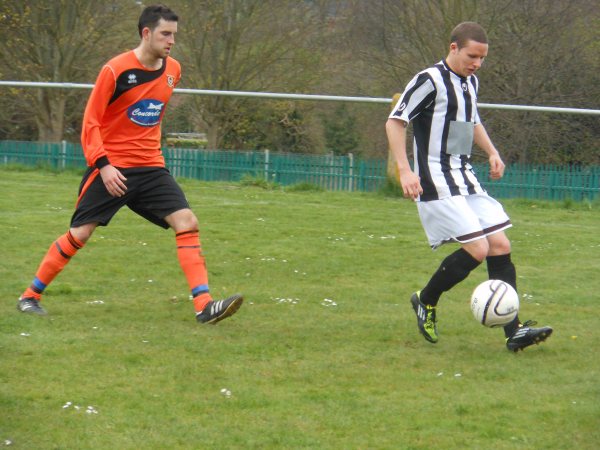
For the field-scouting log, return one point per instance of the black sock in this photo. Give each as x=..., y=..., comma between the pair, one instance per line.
x=455, y=268
x=501, y=268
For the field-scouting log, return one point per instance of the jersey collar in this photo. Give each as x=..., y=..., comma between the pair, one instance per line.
x=450, y=70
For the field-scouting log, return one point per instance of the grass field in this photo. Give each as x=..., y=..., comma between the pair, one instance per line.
x=324, y=353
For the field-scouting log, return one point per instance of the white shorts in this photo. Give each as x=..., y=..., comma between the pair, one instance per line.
x=461, y=218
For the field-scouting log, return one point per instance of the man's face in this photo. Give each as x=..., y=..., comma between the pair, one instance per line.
x=162, y=38
x=467, y=60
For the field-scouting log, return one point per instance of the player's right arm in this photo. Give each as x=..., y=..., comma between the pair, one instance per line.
x=410, y=181
x=419, y=93
x=91, y=137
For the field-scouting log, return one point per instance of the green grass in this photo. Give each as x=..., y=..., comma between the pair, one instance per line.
x=303, y=372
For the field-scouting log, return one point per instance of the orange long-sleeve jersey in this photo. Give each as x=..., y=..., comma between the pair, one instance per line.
x=121, y=124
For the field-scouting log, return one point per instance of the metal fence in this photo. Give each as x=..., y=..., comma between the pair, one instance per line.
x=543, y=182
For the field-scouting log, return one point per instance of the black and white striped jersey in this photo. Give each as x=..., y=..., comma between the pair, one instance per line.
x=442, y=107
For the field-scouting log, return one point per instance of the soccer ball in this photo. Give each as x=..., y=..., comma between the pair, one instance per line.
x=494, y=303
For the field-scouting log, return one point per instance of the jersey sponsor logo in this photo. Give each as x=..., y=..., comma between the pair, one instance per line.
x=146, y=113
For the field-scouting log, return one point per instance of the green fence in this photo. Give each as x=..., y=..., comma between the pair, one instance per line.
x=328, y=171
x=544, y=182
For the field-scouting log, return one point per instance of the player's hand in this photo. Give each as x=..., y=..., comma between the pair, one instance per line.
x=411, y=184
x=113, y=180
x=496, y=167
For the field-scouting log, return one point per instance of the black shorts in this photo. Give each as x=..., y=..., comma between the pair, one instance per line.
x=152, y=192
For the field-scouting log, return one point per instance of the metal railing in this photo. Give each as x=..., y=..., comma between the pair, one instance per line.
x=289, y=96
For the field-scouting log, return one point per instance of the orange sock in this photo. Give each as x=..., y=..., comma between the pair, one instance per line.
x=194, y=267
x=57, y=257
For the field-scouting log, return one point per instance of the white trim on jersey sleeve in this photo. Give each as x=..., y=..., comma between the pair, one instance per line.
x=410, y=103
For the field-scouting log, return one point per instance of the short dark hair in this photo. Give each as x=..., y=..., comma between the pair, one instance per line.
x=151, y=15
x=466, y=31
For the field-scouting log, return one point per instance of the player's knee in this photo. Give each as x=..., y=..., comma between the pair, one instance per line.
x=83, y=232
x=477, y=249
x=499, y=247
x=183, y=220
x=192, y=222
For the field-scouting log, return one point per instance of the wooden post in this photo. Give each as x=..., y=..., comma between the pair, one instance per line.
x=392, y=168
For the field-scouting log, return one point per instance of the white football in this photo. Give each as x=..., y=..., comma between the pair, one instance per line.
x=494, y=303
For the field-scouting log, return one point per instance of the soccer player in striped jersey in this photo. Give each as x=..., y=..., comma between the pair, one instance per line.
x=121, y=143
x=441, y=103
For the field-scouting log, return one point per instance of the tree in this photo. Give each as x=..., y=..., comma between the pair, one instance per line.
x=341, y=135
x=59, y=41
x=541, y=56
x=541, y=53
x=282, y=126
x=246, y=45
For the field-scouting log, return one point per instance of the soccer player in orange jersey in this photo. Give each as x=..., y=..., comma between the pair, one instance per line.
x=121, y=143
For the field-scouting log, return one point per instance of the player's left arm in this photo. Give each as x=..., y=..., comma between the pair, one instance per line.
x=483, y=141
